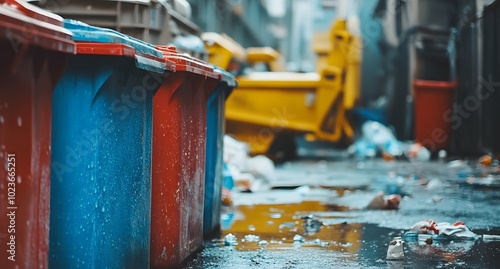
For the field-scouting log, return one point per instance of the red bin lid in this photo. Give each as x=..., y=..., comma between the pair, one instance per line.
x=434, y=84
x=186, y=63
x=23, y=23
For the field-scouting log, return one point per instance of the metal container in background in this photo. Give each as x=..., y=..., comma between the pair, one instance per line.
x=153, y=21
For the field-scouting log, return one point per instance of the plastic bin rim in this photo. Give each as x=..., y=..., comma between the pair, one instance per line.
x=226, y=77
x=434, y=84
x=116, y=49
x=143, y=61
x=83, y=32
x=24, y=23
x=186, y=63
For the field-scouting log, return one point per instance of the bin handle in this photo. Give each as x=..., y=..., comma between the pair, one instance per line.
x=149, y=64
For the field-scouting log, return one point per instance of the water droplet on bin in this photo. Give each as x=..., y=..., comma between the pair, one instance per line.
x=2, y=120
x=103, y=209
x=19, y=180
x=19, y=121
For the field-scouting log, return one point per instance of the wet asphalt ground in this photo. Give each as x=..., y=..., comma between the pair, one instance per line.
x=313, y=216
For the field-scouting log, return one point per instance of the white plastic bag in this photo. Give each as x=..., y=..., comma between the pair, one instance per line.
x=396, y=249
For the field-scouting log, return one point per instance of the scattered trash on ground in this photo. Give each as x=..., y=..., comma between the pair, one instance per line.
x=435, y=184
x=381, y=201
x=230, y=240
x=417, y=152
x=263, y=243
x=312, y=225
x=395, y=251
x=490, y=238
x=248, y=173
x=378, y=140
x=490, y=181
x=299, y=238
x=269, y=222
x=262, y=167
x=486, y=160
x=252, y=238
x=441, y=230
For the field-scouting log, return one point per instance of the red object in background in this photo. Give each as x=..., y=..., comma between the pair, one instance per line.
x=433, y=103
x=32, y=44
x=178, y=169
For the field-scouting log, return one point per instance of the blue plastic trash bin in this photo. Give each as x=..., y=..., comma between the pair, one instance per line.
x=214, y=162
x=101, y=152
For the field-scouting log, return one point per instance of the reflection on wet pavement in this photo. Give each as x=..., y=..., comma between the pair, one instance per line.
x=327, y=226
x=278, y=224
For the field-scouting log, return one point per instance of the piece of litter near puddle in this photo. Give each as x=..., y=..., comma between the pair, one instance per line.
x=230, y=240
x=491, y=237
x=252, y=238
x=298, y=238
x=395, y=250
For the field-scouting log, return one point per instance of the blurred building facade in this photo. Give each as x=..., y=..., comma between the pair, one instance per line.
x=246, y=21
x=286, y=25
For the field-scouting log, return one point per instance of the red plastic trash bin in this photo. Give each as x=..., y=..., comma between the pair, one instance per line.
x=179, y=130
x=433, y=112
x=32, y=44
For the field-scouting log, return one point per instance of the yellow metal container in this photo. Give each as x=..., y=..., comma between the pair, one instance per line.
x=222, y=50
x=265, y=55
x=268, y=104
x=321, y=45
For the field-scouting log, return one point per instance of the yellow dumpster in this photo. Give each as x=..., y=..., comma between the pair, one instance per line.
x=321, y=46
x=270, y=104
x=266, y=55
x=222, y=50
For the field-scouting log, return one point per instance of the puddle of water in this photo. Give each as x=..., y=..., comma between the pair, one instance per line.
x=265, y=236
x=278, y=224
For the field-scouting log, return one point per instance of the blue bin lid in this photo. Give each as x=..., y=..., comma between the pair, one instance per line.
x=226, y=77
x=145, y=53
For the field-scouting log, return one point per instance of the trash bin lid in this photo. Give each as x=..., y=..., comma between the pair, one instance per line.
x=186, y=63
x=102, y=41
x=434, y=84
x=23, y=23
x=226, y=77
